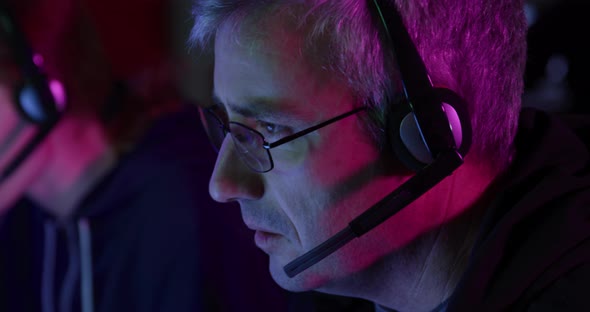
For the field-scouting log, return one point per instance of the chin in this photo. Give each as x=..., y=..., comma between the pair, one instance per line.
x=304, y=281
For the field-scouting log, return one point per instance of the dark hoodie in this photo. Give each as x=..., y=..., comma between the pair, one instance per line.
x=533, y=253
x=147, y=238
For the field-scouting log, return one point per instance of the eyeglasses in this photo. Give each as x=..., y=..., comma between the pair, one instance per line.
x=253, y=148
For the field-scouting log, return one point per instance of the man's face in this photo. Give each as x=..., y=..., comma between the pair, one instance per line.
x=10, y=120
x=15, y=131
x=320, y=182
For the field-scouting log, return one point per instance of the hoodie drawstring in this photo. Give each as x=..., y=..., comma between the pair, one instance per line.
x=48, y=274
x=79, y=247
x=86, y=260
x=72, y=273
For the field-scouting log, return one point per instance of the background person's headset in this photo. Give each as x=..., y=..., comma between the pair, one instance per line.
x=430, y=135
x=39, y=100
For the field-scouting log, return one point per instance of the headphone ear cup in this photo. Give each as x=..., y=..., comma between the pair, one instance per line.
x=31, y=106
x=412, y=141
x=408, y=141
x=403, y=122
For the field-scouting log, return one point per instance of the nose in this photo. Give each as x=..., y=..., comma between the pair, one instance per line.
x=231, y=179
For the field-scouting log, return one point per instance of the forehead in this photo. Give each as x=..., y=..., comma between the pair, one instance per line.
x=251, y=64
x=262, y=69
x=265, y=54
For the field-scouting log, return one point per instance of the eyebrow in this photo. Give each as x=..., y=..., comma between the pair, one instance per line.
x=258, y=107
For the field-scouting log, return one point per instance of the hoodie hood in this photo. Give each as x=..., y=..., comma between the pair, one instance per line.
x=168, y=142
x=538, y=229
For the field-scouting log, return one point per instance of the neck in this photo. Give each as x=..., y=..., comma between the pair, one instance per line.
x=78, y=156
x=424, y=272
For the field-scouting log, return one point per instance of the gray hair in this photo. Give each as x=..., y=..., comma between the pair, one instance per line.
x=475, y=47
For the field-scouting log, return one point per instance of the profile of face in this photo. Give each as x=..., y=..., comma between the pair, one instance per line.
x=40, y=22
x=16, y=131
x=10, y=122
x=320, y=181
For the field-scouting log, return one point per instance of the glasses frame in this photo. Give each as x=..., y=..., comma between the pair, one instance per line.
x=265, y=144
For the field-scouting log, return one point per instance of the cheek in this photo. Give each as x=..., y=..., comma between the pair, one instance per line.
x=344, y=172
x=329, y=184
x=342, y=157
x=9, y=118
x=314, y=212
x=305, y=205
x=14, y=132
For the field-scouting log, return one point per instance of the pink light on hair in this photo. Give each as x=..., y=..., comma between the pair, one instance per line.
x=59, y=94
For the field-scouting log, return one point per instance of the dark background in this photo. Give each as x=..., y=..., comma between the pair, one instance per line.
x=558, y=64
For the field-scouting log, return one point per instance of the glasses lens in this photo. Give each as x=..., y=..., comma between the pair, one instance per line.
x=249, y=144
x=213, y=127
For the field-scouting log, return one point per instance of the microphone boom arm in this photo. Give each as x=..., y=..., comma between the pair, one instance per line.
x=395, y=201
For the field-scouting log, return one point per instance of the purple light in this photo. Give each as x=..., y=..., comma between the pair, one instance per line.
x=59, y=94
x=38, y=59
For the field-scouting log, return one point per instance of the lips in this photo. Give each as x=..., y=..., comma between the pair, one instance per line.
x=270, y=232
x=264, y=238
x=267, y=241
x=254, y=227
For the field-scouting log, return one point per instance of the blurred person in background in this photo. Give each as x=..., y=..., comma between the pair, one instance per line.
x=99, y=162
x=557, y=64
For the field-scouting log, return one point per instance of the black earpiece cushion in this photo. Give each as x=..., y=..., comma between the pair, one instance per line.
x=30, y=105
x=395, y=115
x=401, y=149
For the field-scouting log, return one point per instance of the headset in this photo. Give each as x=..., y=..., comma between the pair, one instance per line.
x=431, y=134
x=39, y=100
